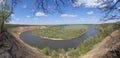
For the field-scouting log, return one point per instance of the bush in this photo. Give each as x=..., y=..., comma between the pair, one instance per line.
x=45, y=51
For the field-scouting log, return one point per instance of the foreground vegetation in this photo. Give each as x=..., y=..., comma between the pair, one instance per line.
x=61, y=32
x=87, y=45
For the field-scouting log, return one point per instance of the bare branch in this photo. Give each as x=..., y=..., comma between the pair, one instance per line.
x=49, y=6
x=109, y=10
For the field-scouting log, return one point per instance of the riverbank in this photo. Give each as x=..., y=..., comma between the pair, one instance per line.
x=52, y=38
x=108, y=48
x=61, y=38
x=61, y=32
x=89, y=43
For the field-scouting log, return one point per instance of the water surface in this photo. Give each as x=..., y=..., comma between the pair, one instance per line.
x=28, y=38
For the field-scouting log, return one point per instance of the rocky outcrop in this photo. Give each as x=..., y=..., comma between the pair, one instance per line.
x=108, y=48
x=11, y=46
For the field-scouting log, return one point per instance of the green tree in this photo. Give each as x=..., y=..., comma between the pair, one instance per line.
x=4, y=14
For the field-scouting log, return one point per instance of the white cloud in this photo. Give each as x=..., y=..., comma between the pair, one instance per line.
x=28, y=16
x=10, y=22
x=17, y=19
x=119, y=8
x=88, y=3
x=115, y=1
x=68, y=15
x=102, y=6
x=12, y=15
x=24, y=6
x=90, y=12
x=76, y=4
x=40, y=14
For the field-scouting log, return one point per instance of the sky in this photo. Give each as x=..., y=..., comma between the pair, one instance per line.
x=86, y=13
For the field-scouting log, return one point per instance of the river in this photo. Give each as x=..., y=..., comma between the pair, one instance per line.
x=28, y=38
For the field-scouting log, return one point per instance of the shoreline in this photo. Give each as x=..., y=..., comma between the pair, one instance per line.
x=60, y=38
x=52, y=38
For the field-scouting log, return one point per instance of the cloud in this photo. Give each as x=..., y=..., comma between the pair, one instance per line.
x=17, y=19
x=40, y=14
x=76, y=4
x=68, y=15
x=118, y=8
x=88, y=3
x=10, y=22
x=115, y=1
x=102, y=6
x=12, y=15
x=28, y=16
x=24, y=6
x=90, y=12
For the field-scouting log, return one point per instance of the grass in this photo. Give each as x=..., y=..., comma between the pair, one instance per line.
x=61, y=32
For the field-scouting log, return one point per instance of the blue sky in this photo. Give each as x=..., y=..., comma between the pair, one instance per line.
x=87, y=13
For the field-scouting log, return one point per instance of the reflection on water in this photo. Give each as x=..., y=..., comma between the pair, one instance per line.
x=28, y=38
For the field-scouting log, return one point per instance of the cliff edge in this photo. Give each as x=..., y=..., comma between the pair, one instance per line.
x=11, y=46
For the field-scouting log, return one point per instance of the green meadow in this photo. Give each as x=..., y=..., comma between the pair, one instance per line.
x=61, y=32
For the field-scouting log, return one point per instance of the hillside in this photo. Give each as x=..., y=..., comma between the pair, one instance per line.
x=11, y=46
x=108, y=48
